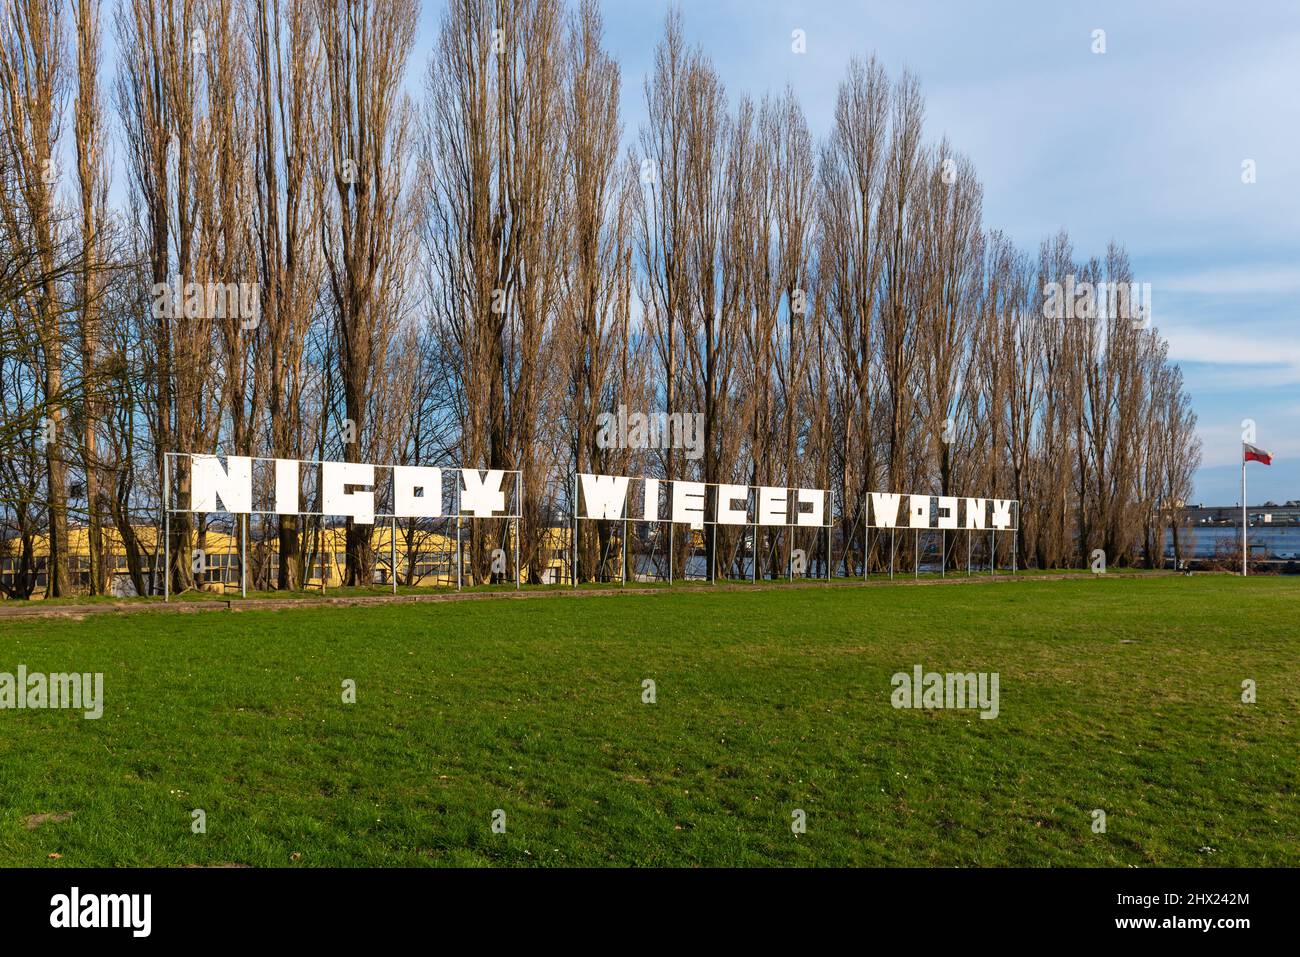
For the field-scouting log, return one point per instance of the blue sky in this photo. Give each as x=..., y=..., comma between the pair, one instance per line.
x=1143, y=144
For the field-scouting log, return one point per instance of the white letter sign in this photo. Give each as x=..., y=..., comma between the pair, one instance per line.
x=817, y=499
x=603, y=495
x=337, y=500
x=417, y=491
x=941, y=512
x=233, y=484
x=688, y=503
x=728, y=496
x=772, y=504
x=482, y=497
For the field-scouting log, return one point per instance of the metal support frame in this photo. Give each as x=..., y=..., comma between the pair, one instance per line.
x=711, y=551
x=712, y=574
x=1245, y=520
x=670, y=552
x=866, y=549
x=943, y=548
x=830, y=538
x=167, y=531
x=327, y=560
x=626, y=571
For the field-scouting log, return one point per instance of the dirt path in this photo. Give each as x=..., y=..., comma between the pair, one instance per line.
x=43, y=609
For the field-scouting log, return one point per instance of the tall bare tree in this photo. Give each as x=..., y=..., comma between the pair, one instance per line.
x=288, y=93
x=365, y=46
x=33, y=86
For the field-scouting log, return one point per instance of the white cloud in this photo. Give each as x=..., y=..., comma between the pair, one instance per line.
x=1233, y=280
x=1230, y=346
x=1221, y=445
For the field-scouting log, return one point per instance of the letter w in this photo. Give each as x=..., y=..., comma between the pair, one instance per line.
x=884, y=508
x=604, y=495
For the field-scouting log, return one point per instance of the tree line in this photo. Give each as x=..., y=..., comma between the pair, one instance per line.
x=463, y=255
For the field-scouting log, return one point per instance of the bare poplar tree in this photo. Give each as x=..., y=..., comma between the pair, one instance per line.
x=33, y=85
x=951, y=278
x=365, y=45
x=286, y=69
x=92, y=181
x=594, y=304
x=837, y=313
x=849, y=254
x=900, y=307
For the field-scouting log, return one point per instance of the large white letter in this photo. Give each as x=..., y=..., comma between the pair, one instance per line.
x=1002, y=513
x=286, y=486
x=650, y=500
x=336, y=500
x=947, y=511
x=817, y=499
x=884, y=509
x=688, y=503
x=919, y=508
x=975, y=513
x=482, y=496
x=603, y=495
x=407, y=479
x=772, y=505
x=728, y=495
x=234, y=483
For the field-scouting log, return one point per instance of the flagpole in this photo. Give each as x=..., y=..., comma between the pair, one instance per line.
x=1244, y=552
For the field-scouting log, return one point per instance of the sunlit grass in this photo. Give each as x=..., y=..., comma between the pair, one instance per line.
x=1120, y=695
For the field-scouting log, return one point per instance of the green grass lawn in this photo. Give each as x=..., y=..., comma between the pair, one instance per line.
x=231, y=592
x=1123, y=695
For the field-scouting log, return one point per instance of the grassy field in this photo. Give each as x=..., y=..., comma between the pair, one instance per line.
x=231, y=592
x=1121, y=695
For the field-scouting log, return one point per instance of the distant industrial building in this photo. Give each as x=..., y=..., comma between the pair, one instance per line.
x=1211, y=534
x=1270, y=513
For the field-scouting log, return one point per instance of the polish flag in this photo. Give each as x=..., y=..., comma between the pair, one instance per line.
x=1252, y=453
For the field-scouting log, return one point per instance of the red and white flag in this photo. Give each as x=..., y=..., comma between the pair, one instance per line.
x=1253, y=453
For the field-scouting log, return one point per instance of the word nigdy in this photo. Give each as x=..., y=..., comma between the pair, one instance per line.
x=347, y=488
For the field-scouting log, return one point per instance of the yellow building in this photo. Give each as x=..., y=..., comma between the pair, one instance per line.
x=216, y=566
